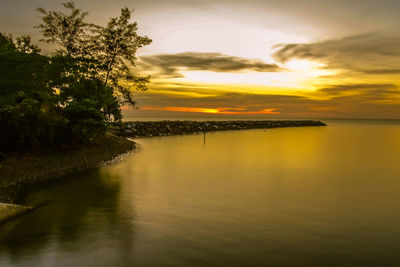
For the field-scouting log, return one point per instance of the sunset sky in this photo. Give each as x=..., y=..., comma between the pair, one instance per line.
x=258, y=58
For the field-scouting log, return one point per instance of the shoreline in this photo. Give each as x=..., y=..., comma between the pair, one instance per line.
x=20, y=171
x=32, y=168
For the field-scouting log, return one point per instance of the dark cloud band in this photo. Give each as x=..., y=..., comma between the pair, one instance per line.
x=372, y=53
x=169, y=65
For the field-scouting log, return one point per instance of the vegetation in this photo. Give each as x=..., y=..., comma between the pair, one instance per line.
x=72, y=95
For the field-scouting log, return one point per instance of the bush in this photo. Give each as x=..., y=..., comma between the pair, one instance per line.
x=41, y=103
x=85, y=121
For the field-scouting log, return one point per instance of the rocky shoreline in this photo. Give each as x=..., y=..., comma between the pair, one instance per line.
x=164, y=128
x=18, y=172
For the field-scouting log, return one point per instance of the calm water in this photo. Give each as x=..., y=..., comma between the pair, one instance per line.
x=317, y=196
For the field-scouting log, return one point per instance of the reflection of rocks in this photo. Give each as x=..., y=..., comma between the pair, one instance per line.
x=160, y=128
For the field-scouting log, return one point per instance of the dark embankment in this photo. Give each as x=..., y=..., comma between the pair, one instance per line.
x=29, y=168
x=161, y=128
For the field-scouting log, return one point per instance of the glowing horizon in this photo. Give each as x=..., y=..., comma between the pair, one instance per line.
x=266, y=58
x=229, y=111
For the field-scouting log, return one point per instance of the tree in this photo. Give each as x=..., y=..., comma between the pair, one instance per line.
x=69, y=32
x=28, y=111
x=72, y=95
x=24, y=44
x=116, y=45
x=103, y=53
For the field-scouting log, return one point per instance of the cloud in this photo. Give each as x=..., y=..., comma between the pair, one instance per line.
x=372, y=53
x=375, y=90
x=369, y=100
x=361, y=100
x=223, y=111
x=223, y=102
x=170, y=65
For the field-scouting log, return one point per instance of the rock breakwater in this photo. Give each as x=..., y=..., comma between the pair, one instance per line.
x=163, y=128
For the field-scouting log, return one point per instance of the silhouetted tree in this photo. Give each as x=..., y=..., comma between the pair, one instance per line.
x=29, y=114
x=24, y=44
x=73, y=94
x=68, y=31
x=105, y=53
x=115, y=48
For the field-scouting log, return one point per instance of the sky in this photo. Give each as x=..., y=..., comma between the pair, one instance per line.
x=255, y=58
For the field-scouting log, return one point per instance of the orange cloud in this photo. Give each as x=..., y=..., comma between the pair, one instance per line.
x=186, y=109
x=230, y=111
x=322, y=108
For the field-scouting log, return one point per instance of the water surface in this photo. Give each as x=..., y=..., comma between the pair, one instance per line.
x=312, y=196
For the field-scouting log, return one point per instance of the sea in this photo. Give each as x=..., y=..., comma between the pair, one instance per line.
x=306, y=196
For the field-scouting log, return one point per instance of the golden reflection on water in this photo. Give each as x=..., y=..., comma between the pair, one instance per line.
x=278, y=197
x=295, y=187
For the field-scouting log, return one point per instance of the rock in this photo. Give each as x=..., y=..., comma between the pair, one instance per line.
x=9, y=211
x=162, y=128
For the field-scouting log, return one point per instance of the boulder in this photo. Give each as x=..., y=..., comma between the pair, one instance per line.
x=9, y=211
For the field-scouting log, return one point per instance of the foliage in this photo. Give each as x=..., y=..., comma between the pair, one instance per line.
x=72, y=95
x=115, y=48
x=28, y=114
x=25, y=45
x=105, y=53
x=84, y=119
x=68, y=31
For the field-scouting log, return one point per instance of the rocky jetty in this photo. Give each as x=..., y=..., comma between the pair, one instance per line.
x=162, y=128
